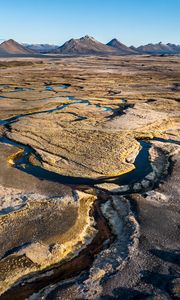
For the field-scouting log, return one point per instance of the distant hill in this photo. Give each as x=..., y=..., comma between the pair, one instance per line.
x=175, y=48
x=133, y=48
x=159, y=48
x=121, y=48
x=87, y=46
x=84, y=46
x=12, y=47
x=41, y=48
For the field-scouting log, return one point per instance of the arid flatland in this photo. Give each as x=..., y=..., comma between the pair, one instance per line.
x=89, y=177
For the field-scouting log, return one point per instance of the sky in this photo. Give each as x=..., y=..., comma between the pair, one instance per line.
x=133, y=22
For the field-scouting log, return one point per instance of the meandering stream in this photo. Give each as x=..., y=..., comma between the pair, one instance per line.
x=142, y=163
x=81, y=262
x=142, y=167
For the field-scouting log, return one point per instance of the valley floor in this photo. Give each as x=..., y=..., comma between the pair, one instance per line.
x=89, y=177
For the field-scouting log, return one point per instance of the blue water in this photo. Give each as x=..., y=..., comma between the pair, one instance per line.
x=65, y=86
x=142, y=167
x=12, y=119
x=105, y=108
x=142, y=164
x=48, y=88
x=51, y=88
x=71, y=98
x=20, y=90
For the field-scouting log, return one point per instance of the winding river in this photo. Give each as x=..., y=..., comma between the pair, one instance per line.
x=142, y=164
x=142, y=168
x=81, y=262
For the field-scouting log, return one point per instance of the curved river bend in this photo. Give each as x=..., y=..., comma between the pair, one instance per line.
x=142, y=168
x=142, y=164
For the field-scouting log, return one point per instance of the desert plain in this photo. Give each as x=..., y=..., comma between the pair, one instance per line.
x=89, y=177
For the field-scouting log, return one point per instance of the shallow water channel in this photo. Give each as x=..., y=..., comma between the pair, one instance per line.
x=142, y=164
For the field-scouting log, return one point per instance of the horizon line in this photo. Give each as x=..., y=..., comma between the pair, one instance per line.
x=61, y=43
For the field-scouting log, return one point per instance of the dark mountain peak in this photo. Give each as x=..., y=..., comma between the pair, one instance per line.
x=133, y=48
x=122, y=49
x=71, y=40
x=114, y=42
x=10, y=41
x=87, y=37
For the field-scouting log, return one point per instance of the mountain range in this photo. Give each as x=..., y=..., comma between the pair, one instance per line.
x=41, y=48
x=159, y=48
x=86, y=46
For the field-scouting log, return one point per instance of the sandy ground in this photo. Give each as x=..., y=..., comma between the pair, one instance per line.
x=43, y=223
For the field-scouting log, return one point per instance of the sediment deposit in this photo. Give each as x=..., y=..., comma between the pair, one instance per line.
x=89, y=155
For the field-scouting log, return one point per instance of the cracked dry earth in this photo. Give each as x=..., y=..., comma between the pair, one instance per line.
x=89, y=178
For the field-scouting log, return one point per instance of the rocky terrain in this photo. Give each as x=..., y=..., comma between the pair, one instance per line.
x=89, y=178
x=86, y=45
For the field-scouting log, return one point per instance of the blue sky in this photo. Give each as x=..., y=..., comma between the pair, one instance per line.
x=55, y=21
